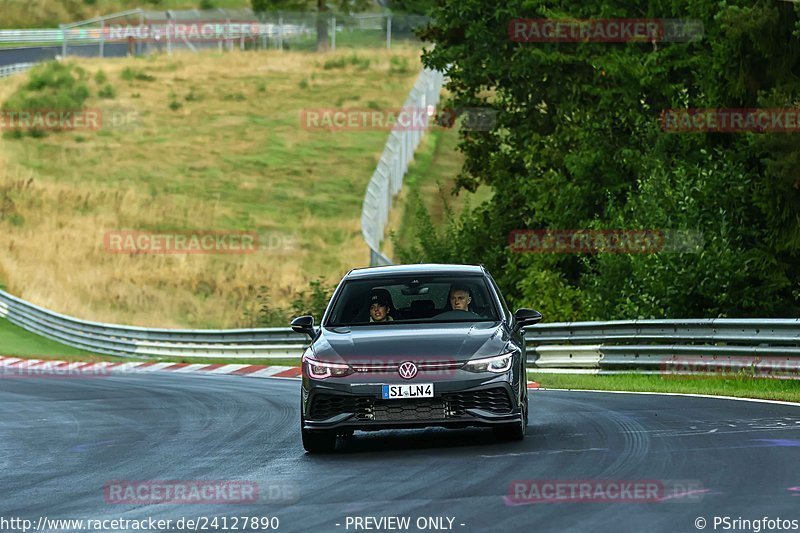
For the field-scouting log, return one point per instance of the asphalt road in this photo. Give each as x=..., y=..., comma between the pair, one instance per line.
x=63, y=440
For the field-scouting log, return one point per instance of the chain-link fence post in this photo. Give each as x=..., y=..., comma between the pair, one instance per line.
x=333, y=33
x=63, y=41
x=280, y=30
x=102, y=37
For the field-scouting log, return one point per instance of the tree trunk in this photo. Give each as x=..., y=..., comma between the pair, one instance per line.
x=322, y=26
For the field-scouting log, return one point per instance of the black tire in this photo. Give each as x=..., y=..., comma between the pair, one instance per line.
x=516, y=430
x=319, y=441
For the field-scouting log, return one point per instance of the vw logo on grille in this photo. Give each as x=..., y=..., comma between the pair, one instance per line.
x=407, y=370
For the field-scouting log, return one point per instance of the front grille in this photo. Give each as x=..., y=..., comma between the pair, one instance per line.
x=454, y=404
x=327, y=405
x=421, y=409
x=494, y=400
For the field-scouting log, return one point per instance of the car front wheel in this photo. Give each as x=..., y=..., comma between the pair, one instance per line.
x=515, y=431
x=318, y=441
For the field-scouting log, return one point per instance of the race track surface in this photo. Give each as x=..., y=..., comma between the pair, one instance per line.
x=63, y=440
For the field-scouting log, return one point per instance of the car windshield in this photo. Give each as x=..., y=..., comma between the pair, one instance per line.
x=413, y=299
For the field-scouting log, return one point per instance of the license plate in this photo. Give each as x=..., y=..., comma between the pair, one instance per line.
x=399, y=392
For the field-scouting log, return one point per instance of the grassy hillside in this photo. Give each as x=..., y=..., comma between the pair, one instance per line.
x=215, y=143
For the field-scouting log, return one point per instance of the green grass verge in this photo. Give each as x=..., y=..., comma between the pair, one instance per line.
x=15, y=341
x=738, y=386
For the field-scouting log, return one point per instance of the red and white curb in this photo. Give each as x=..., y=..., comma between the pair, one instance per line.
x=15, y=366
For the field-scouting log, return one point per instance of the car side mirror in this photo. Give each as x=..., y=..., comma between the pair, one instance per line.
x=304, y=324
x=526, y=317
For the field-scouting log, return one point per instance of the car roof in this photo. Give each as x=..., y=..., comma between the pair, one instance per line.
x=429, y=268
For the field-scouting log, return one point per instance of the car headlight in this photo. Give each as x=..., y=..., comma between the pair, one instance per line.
x=322, y=370
x=497, y=364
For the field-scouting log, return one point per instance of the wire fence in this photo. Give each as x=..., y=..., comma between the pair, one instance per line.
x=137, y=31
x=387, y=179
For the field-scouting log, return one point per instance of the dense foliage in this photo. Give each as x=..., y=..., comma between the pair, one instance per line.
x=578, y=144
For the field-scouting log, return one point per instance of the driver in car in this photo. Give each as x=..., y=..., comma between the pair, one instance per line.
x=460, y=298
x=380, y=304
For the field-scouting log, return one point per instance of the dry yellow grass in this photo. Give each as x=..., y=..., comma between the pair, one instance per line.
x=232, y=157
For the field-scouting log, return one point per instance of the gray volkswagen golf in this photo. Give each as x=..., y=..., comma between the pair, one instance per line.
x=414, y=346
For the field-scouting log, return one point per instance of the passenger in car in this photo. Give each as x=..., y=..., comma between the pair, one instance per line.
x=380, y=306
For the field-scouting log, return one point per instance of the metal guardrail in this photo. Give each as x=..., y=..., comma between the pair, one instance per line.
x=770, y=346
x=113, y=339
x=8, y=70
x=387, y=180
x=724, y=345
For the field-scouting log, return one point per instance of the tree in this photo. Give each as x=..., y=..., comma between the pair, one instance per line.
x=321, y=7
x=578, y=144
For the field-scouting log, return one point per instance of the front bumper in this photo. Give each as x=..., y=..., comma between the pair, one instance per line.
x=455, y=404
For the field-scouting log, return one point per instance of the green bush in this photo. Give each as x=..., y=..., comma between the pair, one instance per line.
x=398, y=65
x=131, y=74
x=193, y=96
x=107, y=92
x=53, y=86
x=234, y=97
x=361, y=63
x=313, y=301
